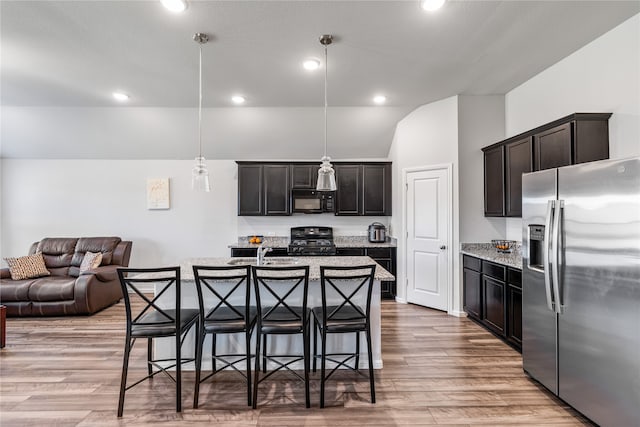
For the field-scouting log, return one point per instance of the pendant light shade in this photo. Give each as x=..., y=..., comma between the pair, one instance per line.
x=326, y=174
x=200, y=174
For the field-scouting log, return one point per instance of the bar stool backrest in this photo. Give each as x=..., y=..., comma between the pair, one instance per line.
x=145, y=312
x=281, y=293
x=224, y=292
x=346, y=292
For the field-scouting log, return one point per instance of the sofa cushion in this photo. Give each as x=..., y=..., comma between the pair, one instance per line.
x=57, y=253
x=15, y=290
x=90, y=261
x=52, y=289
x=27, y=267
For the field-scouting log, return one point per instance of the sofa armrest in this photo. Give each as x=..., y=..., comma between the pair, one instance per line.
x=5, y=273
x=96, y=289
x=105, y=273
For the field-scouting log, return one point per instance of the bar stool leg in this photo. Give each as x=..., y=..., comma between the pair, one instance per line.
x=199, y=345
x=248, y=351
x=371, y=379
x=123, y=379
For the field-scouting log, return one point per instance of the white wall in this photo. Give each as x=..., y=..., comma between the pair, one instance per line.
x=603, y=76
x=48, y=198
x=427, y=136
x=171, y=133
x=53, y=198
x=480, y=123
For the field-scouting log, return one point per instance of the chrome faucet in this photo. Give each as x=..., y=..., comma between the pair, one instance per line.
x=261, y=253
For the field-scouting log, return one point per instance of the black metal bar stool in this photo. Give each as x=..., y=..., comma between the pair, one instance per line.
x=147, y=318
x=281, y=302
x=224, y=298
x=346, y=308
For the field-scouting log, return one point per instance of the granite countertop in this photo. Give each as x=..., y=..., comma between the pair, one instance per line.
x=313, y=262
x=488, y=252
x=340, y=242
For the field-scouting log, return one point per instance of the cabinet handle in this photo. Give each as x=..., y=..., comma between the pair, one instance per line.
x=443, y=247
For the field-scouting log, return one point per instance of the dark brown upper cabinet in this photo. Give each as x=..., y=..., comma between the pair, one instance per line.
x=349, y=189
x=376, y=197
x=276, y=190
x=250, y=190
x=577, y=138
x=494, y=181
x=363, y=189
x=517, y=161
x=553, y=147
x=263, y=189
x=304, y=175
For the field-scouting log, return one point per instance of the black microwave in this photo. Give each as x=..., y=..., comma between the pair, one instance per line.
x=312, y=201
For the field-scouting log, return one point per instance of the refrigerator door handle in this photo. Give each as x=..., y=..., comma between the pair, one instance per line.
x=545, y=253
x=557, y=234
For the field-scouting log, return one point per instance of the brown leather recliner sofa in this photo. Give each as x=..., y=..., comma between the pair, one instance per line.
x=66, y=291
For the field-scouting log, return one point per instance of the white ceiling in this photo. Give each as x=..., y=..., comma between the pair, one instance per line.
x=76, y=53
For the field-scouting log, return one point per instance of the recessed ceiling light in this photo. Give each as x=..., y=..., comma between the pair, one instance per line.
x=121, y=96
x=311, y=64
x=237, y=99
x=175, y=6
x=431, y=5
x=379, y=99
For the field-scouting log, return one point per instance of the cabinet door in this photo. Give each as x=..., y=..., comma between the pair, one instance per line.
x=243, y=252
x=493, y=297
x=304, y=176
x=590, y=140
x=472, y=296
x=494, y=181
x=276, y=190
x=552, y=148
x=349, y=189
x=514, y=310
x=250, y=195
x=350, y=251
x=376, y=190
x=518, y=160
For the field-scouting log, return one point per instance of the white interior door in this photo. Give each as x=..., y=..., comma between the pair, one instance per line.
x=428, y=221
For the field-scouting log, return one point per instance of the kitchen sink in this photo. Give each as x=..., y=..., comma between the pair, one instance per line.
x=275, y=261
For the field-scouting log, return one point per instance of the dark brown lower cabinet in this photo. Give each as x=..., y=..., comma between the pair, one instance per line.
x=492, y=296
x=493, y=313
x=472, y=293
x=386, y=257
x=251, y=252
x=514, y=307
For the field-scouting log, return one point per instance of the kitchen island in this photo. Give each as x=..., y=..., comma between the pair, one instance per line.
x=279, y=344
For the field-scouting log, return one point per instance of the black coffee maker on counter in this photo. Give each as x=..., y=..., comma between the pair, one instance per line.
x=377, y=233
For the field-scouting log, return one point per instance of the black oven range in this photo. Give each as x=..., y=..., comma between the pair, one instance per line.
x=310, y=241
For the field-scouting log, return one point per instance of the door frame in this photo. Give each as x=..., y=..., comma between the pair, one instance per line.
x=448, y=167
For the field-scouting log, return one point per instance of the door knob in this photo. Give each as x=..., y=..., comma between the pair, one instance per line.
x=443, y=247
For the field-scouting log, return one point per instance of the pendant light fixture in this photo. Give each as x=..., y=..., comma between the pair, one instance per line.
x=200, y=174
x=326, y=174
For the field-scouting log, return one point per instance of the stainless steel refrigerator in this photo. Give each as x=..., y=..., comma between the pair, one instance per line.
x=581, y=286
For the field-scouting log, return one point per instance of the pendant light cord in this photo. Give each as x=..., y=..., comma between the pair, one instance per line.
x=326, y=71
x=200, y=106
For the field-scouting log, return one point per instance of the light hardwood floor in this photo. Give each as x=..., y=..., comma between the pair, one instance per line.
x=437, y=370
